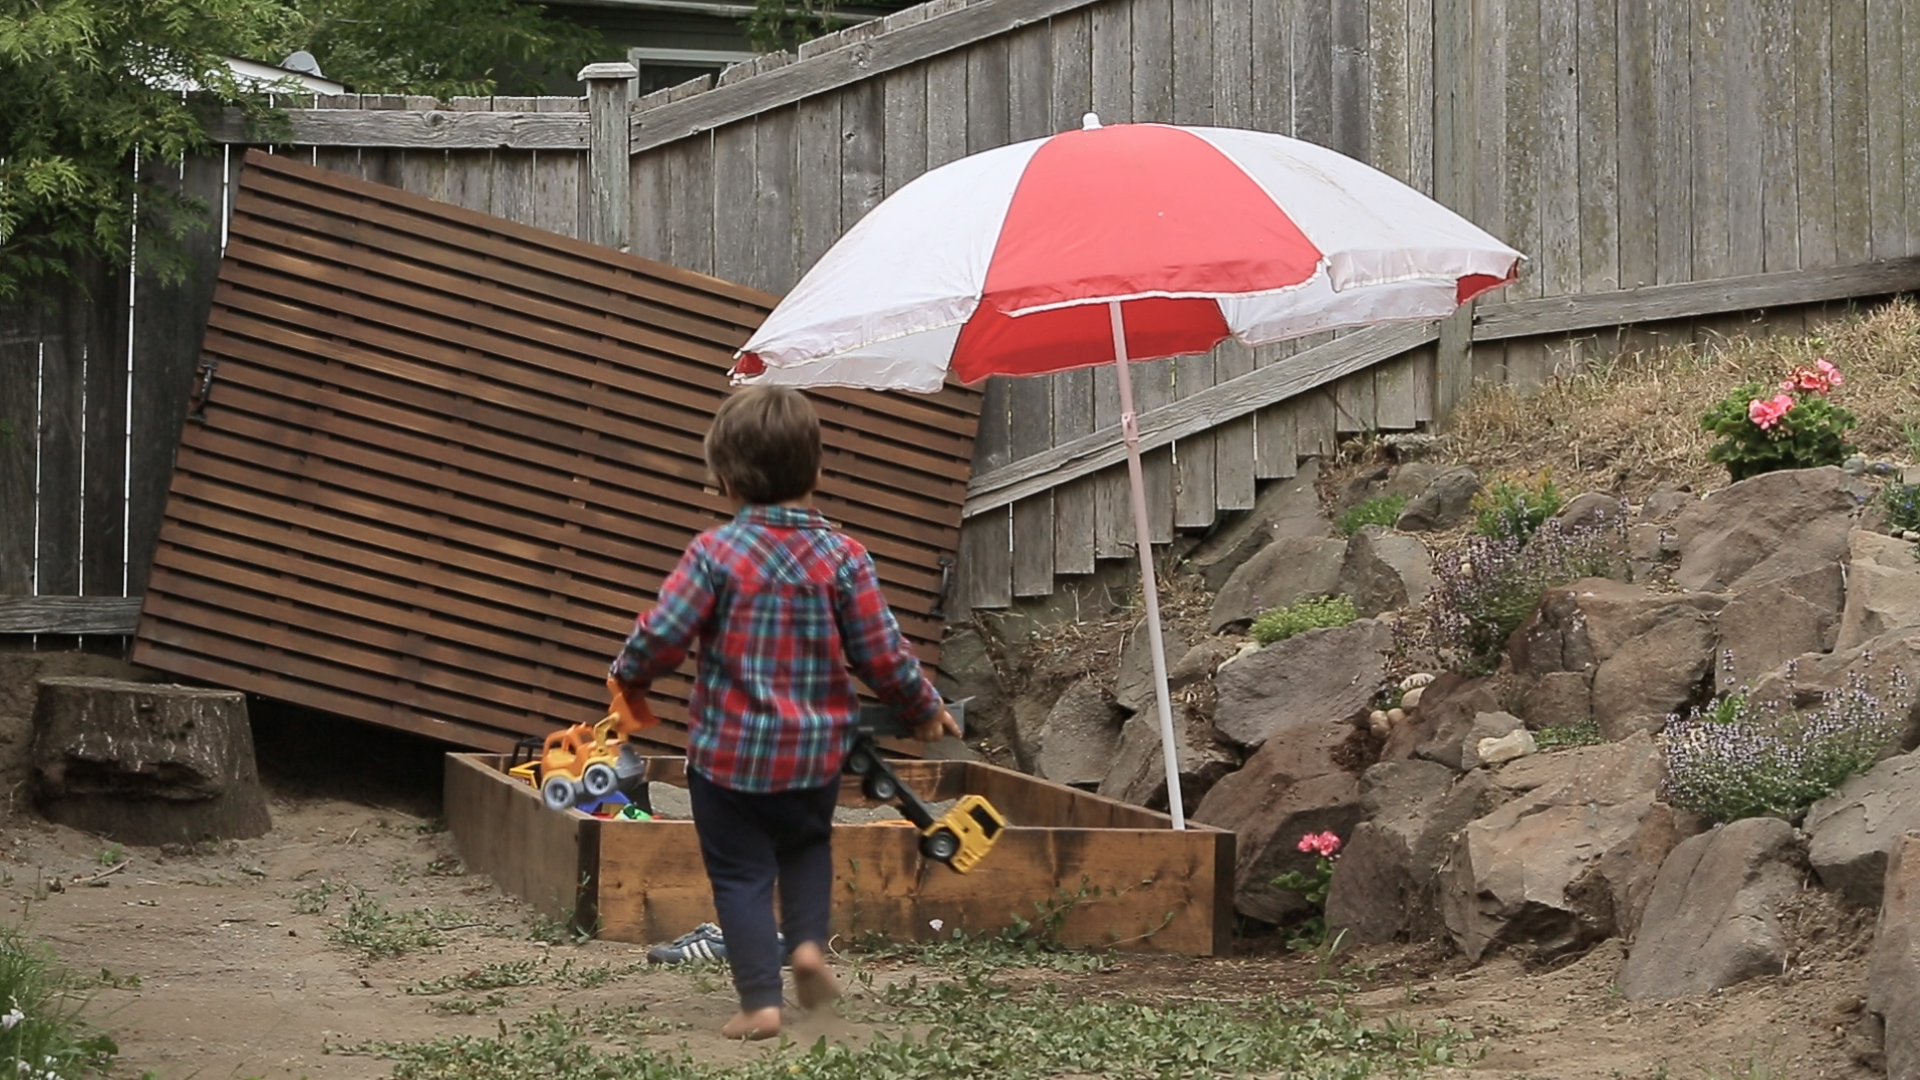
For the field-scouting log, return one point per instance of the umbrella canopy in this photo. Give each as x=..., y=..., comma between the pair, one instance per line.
x=999, y=263
x=1133, y=242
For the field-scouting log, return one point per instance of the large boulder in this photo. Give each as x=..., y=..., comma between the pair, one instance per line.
x=1288, y=509
x=1883, y=589
x=1292, y=786
x=1765, y=625
x=1854, y=829
x=1446, y=501
x=1076, y=744
x=146, y=763
x=1326, y=674
x=1645, y=655
x=1133, y=681
x=1385, y=571
x=1777, y=524
x=1568, y=863
x=1591, y=510
x=1280, y=573
x=968, y=672
x=1893, y=974
x=1439, y=728
x=1138, y=773
x=1713, y=918
x=1888, y=666
x=1386, y=884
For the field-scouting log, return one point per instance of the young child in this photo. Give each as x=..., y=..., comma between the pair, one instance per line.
x=781, y=606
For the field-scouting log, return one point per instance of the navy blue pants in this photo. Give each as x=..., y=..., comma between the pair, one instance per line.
x=749, y=841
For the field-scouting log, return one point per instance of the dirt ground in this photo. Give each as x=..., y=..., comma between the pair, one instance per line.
x=214, y=963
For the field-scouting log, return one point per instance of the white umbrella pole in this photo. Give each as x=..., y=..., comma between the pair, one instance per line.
x=1143, y=534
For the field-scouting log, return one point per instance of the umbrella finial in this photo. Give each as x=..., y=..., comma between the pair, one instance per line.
x=1090, y=122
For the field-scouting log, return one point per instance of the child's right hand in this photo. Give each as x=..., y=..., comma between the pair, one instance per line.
x=938, y=728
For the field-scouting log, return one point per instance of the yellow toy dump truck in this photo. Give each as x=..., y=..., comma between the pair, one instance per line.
x=586, y=762
x=963, y=835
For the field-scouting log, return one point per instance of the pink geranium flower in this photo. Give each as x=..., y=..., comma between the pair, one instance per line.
x=1818, y=379
x=1832, y=373
x=1767, y=413
x=1325, y=844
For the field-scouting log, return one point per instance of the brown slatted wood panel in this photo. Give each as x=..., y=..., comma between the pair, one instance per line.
x=446, y=458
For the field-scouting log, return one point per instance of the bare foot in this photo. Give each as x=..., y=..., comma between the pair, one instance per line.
x=758, y=1024
x=813, y=984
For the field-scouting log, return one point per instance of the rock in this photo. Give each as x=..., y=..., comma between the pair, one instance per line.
x=1855, y=465
x=1883, y=588
x=1768, y=624
x=1386, y=887
x=1447, y=712
x=1591, y=510
x=1854, y=829
x=1893, y=973
x=1512, y=746
x=1665, y=502
x=1133, y=682
x=1385, y=571
x=1288, y=509
x=1445, y=502
x=1327, y=674
x=1775, y=525
x=1713, y=918
x=1885, y=662
x=967, y=671
x=1411, y=445
x=146, y=763
x=1486, y=727
x=1557, y=699
x=1292, y=786
x=1411, y=479
x=1138, y=773
x=1081, y=733
x=1647, y=654
x=1569, y=862
x=1290, y=569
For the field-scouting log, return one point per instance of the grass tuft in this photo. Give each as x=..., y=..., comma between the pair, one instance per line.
x=42, y=1036
x=1301, y=616
x=1379, y=510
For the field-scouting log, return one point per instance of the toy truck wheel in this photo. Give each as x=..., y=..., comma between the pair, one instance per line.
x=940, y=846
x=558, y=792
x=859, y=762
x=599, y=780
x=880, y=788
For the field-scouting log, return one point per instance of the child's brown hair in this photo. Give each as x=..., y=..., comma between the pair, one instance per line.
x=764, y=444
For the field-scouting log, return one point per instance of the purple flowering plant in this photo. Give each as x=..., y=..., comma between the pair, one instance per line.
x=1739, y=757
x=1485, y=590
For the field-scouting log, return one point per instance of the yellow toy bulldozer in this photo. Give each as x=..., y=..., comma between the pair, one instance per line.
x=963, y=835
x=586, y=762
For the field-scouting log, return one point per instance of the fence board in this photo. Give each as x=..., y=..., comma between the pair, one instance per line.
x=393, y=517
x=1350, y=71
x=167, y=325
x=736, y=170
x=862, y=171
x=1112, y=85
x=1813, y=131
x=103, y=553
x=20, y=349
x=1521, y=211
x=1074, y=526
x=1852, y=172
x=1233, y=106
x=906, y=125
x=1779, y=209
x=63, y=361
x=1745, y=56
x=1599, y=137
x=1673, y=97
x=1910, y=112
x=1886, y=151
x=1389, y=143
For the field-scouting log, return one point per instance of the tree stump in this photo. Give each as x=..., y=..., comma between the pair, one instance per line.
x=146, y=763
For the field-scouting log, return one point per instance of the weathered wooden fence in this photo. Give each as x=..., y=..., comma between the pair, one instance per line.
x=1659, y=161
x=1672, y=168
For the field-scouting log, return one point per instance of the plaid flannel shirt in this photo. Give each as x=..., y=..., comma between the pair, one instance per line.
x=781, y=606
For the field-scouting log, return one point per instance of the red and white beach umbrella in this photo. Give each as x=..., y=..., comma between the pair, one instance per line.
x=1104, y=245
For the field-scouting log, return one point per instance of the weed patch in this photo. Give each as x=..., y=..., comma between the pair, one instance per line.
x=1379, y=510
x=42, y=1036
x=1568, y=736
x=377, y=933
x=1280, y=624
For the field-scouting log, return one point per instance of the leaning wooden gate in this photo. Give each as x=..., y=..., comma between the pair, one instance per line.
x=436, y=460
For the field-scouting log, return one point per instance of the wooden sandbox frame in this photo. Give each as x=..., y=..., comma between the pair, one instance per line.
x=1140, y=884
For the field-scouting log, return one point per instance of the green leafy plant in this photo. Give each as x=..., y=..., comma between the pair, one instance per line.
x=1792, y=426
x=1514, y=508
x=1312, y=885
x=1280, y=624
x=42, y=1035
x=377, y=933
x=1568, y=736
x=1739, y=758
x=1379, y=510
x=1901, y=503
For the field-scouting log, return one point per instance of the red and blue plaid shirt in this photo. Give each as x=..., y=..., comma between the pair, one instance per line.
x=781, y=606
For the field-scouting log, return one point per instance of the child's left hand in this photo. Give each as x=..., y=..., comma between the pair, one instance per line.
x=938, y=728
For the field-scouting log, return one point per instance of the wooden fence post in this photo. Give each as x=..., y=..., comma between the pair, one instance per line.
x=609, y=98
